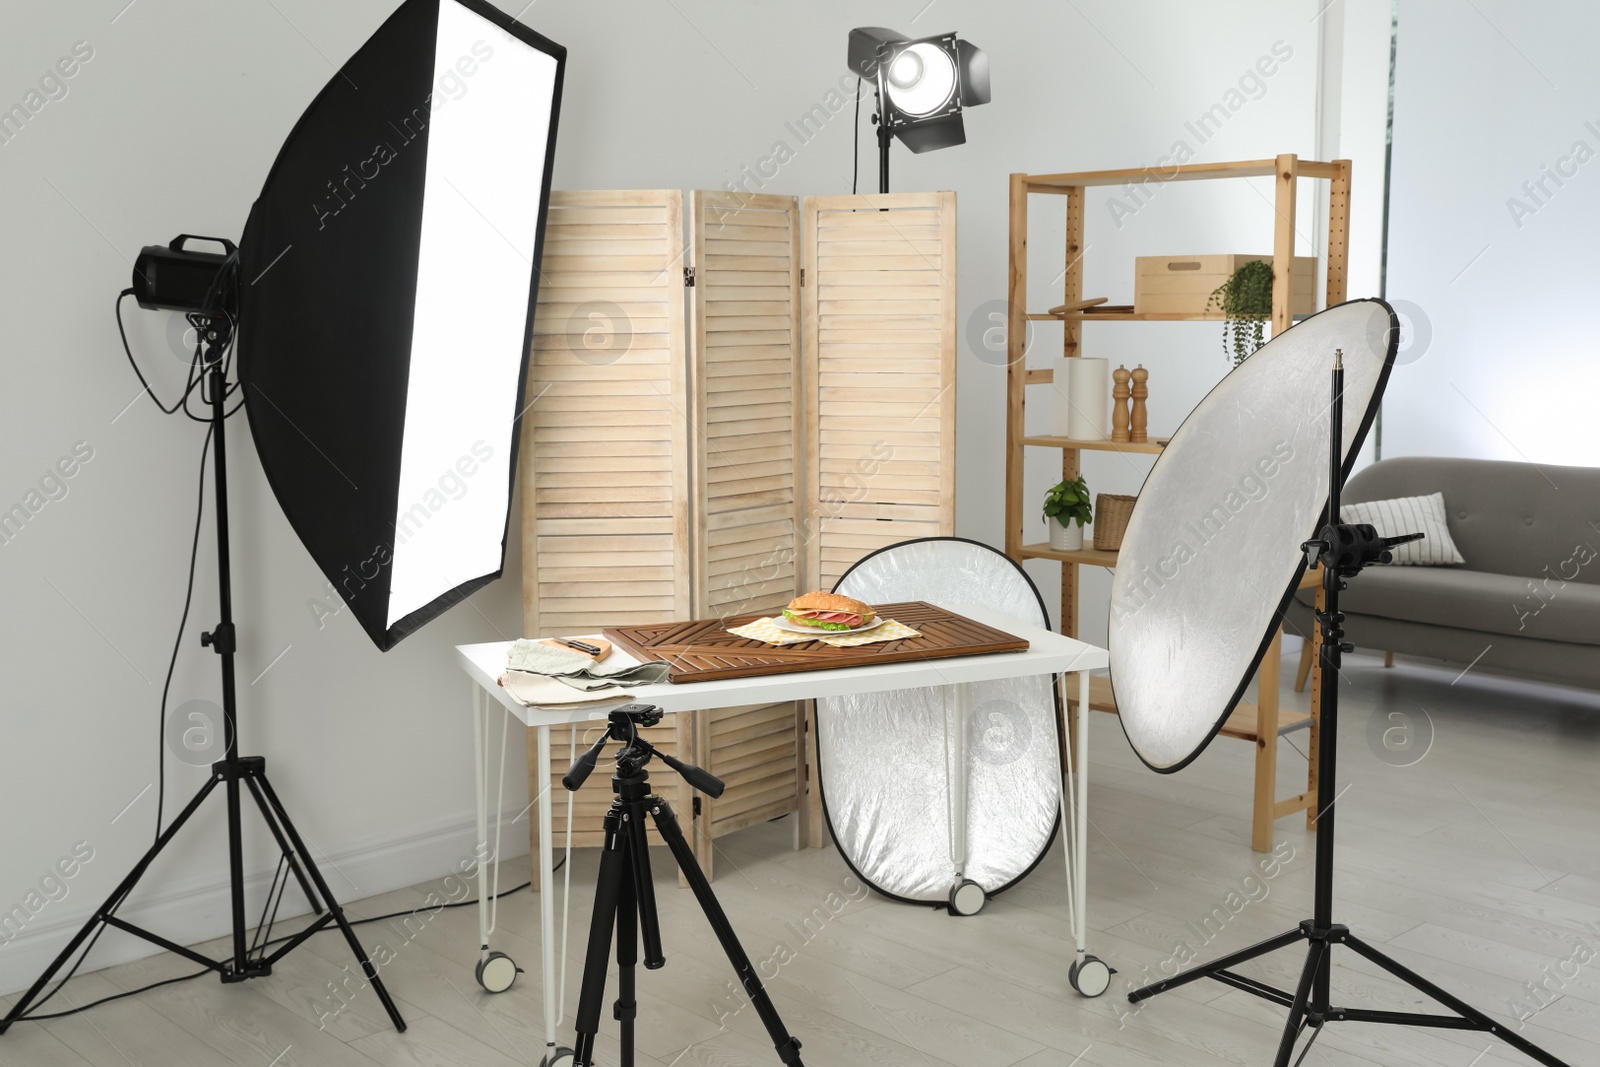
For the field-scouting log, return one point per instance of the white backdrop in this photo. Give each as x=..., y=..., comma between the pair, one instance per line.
x=1496, y=197
x=169, y=125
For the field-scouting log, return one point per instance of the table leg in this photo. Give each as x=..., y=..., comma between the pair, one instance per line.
x=480, y=712
x=1081, y=785
x=547, y=909
x=813, y=798
x=957, y=781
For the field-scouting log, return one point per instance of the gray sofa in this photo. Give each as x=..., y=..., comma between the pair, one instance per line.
x=1528, y=599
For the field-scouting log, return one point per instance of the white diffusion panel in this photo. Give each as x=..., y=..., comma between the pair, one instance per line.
x=487, y=133
x=1213, y=544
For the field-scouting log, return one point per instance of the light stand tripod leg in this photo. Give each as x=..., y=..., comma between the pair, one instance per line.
x=788, y=1048
x=1479, y=1020
x=284, y=847
x=367, y=967
x=1302, y=996
x=614, y=871
x=1233, y=959
x=99, y=917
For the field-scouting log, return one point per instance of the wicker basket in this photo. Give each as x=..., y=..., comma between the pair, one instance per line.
x=1111, y=513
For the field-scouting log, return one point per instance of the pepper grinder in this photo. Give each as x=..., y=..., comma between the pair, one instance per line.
x=1140, y=428
x=1119, y=404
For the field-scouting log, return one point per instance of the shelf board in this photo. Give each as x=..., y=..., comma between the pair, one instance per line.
x=1153, y=447
x=1124, y=314
x=1092, y=557
x=1249, y=168
x=1095, y=557
x=1242, y=724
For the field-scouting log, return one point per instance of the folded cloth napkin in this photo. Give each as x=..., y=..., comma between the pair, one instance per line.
x=540, y=691
x=574, y=669
x=767, y=631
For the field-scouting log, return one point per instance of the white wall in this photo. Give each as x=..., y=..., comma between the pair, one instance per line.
x=1504, y=273
x=171, y=126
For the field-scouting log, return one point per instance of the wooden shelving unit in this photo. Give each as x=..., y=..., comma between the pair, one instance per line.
x=1263, y=724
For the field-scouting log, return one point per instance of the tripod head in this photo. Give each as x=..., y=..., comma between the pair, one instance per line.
x=623, y=725
x=1346, y=548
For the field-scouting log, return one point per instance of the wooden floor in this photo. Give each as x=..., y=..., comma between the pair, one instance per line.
x=1479, y=866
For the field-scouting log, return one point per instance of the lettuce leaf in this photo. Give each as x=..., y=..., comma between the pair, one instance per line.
x=813, y=622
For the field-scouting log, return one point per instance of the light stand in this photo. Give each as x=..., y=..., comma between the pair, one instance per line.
x=885, y=139
x=1343, y=549
x=624, y=896
x=248, y=959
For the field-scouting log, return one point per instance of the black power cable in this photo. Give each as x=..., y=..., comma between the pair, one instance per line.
x=32, y=1017
x=177, y=642
x=855, y=146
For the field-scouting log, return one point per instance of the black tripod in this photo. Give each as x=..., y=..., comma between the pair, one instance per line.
x=249, y=959
x=1343, y=550
x=625, y=899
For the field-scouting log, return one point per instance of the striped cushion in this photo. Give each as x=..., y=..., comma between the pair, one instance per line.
x=1410, y=514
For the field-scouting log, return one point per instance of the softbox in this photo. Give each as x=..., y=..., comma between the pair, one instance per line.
x=388, y=284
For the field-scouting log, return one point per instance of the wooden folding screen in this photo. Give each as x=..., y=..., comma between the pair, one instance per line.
x=744, y=372
x=689, y=458
x=880, y=374
x=605, y=457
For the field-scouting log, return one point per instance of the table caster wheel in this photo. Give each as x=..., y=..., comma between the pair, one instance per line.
x=1091, y=977
x=967, y=898
x=497, y=971
x=561, y=1057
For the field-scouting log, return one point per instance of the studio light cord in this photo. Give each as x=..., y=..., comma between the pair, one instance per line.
x=195, y=382
x=34, y=1016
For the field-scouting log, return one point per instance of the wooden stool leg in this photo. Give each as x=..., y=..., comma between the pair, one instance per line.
x=1266, y=792
x=1308, y=656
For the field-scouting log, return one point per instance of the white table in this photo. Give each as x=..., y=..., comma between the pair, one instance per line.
x=1048, y=653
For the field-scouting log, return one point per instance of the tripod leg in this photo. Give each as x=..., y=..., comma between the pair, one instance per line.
x=787, y=1046
x=607, y=896
x=367, y=967
x=1302, y=994
x=626, y=1010
x=1460, y=1007
x=1206, y=970
x=283, y=846
x=123, y=887
x=645, y=887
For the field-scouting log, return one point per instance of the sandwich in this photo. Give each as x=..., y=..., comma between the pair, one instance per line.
x=829, y=611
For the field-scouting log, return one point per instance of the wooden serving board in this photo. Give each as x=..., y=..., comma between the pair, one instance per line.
x=702, y=650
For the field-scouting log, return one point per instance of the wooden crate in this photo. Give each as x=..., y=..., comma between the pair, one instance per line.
x=1182, y=285
x=745, y=403
x=880, y=375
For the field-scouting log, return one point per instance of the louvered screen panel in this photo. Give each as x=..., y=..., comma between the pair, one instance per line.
x=606, y=457
x=605, y=472
x=880, y=374
x=744, y=371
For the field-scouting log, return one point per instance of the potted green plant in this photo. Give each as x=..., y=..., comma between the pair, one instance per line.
x=1245, y=301
x=1066, y=511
